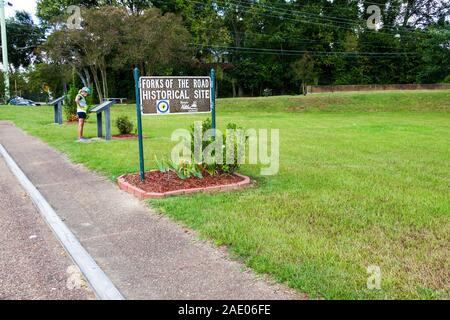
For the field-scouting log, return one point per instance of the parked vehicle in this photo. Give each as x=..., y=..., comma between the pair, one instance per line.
x=19, y=101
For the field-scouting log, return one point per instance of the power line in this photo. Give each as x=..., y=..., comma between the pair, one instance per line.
x=300, y=40
x=336, y=24
x=301, y=52
x=284, y=8
x=294, y=13
x=273, y=9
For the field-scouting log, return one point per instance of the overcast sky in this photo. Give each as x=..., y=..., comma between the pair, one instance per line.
x=18, y=5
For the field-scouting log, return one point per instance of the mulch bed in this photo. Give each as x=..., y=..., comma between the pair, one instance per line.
x=125, y=136
x=156, y=181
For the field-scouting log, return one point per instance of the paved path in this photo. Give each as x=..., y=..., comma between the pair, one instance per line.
x=33, y=265
x=146, y=255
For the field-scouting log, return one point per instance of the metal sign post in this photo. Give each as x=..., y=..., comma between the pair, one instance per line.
x=139, y=123
x=213, y=101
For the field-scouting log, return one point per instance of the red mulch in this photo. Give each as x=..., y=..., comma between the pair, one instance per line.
x=125, y=136
x=156, y=181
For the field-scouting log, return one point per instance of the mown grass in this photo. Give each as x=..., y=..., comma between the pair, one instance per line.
x=363, y=180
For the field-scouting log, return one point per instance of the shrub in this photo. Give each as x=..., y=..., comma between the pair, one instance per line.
x=191, y=168
x=217, y=168
x=234, y=165
x=267, y=92
x=70, y=107
x=124, y=125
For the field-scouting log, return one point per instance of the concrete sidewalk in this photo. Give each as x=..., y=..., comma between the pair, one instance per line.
x=146, y=255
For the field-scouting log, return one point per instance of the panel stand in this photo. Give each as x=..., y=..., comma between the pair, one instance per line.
x=105, y=108
x=57, y=108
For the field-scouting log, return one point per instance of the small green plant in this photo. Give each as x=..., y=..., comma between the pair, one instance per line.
x=183, y=170
x=124, y=125
x=211, y=168
x=186, y=170
x=196, y=170
x=163, y=165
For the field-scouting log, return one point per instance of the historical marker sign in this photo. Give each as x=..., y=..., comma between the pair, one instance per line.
x=175, y=95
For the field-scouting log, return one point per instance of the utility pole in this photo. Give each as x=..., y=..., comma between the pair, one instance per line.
x=4, y=49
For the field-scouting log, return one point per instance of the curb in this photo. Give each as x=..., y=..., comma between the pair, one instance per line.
x=98, y=280
x=142, y=195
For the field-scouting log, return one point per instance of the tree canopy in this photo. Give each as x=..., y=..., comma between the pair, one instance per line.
x=254, y=44
x=24, y=38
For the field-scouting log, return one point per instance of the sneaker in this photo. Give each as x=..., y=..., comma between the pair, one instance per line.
x=83, y=140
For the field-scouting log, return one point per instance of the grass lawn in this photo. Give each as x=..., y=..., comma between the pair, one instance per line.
x=364, y=180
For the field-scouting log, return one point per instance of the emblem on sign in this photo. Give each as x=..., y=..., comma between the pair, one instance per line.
x=162, y=107
x=186, y=107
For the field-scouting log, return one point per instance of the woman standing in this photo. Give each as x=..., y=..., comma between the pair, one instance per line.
x=80, y=100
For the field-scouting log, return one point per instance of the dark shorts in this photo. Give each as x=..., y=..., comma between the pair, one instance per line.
x=81, y=115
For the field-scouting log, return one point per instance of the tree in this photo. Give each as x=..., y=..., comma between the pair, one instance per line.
x=51, y=76
x=253, y=44
x=90, y=49
x=111, y=38
x=436, y=55
x=134, y=6
x=422, y=12
x=62, y=48
x=235, y=16
x=51, y=11
x=303, y=70
x=98, y=42
x=162, y=47
x=24, y=37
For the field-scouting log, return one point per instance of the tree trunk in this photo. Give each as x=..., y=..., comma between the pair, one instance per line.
x=104, y=81
x=82, y=78
x=88, y=77
x=97, y=83
x=407, y=13
x=240, y=91
x=233, y=84
x=64, y=83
